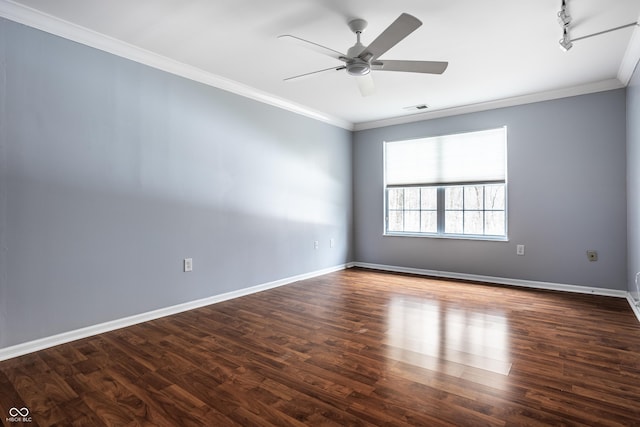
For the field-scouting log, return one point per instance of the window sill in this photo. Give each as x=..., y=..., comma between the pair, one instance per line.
x=450, y=236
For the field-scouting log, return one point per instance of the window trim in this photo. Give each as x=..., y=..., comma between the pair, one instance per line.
x=441, y=216
x=441, y=202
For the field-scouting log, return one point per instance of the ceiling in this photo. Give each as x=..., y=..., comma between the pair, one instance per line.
x=496, y=49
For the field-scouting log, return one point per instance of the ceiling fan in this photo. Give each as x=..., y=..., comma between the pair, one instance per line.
x=360, y=60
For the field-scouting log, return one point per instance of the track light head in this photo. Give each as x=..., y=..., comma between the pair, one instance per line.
x=564, y=18
x=565, y=41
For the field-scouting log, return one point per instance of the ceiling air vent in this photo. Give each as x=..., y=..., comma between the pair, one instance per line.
x=419, y=107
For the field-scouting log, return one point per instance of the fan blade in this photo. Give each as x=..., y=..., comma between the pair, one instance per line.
x=315, y=46
x=366, y=85
x=398, y=30
x=429, y=67
x=338, y=68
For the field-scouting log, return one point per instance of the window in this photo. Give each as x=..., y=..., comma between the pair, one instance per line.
x=453, y=185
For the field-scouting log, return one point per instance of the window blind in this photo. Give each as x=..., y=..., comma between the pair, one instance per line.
x=463, y=158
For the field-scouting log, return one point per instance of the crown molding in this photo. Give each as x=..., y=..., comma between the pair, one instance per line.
x=631, y=57
x=600, y=86
x=36, y=19
x=39, y=20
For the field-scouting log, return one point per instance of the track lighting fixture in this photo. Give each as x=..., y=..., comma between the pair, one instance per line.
x=565, y=41
x=563, y=16
x=564, y=19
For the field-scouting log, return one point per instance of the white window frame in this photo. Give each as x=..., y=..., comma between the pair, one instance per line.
x=441, y=205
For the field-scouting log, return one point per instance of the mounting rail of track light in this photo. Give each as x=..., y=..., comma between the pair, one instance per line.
x=564, y=19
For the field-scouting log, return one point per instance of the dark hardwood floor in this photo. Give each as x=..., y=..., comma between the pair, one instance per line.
x=355, y=347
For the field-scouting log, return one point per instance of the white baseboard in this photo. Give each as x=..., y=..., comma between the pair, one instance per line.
x=635, y=305
x=497, y=280
x=65, y=337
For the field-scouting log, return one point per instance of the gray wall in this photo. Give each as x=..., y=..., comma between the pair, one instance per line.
x=566, y=194
x=113, y=172
x=633, y=181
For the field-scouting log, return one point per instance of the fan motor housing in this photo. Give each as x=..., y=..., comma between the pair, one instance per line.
x=358, y=67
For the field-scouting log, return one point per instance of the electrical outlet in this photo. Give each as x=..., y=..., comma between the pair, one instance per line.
x=332, y=243
x=316, y=244
x=520, y=250
x=592, y=255
x=188, y=264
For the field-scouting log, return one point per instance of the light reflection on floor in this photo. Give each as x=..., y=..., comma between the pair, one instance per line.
x=451, y=340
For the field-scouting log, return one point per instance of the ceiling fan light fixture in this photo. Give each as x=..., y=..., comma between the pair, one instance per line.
x=358, y=67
